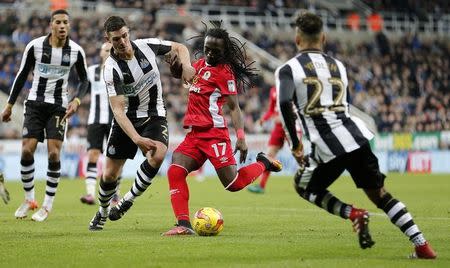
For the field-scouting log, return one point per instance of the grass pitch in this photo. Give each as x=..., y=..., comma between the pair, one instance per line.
x=276, y=229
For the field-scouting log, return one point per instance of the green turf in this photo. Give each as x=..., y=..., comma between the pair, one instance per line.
x=276, y=229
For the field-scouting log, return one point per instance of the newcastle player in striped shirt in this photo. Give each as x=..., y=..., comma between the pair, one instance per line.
x=99, y=125
x=47, y=107
x=317, y=84
x=134, y=87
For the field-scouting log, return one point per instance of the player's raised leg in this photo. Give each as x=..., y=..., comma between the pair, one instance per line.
x=247, y=174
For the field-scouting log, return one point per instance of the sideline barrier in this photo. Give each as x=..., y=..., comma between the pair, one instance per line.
x=73, y=159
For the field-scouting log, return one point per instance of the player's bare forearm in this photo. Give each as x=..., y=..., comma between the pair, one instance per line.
x=118, y=108
x=182, y=53
x=71, y=108
x=235, y=112
x=185, y=59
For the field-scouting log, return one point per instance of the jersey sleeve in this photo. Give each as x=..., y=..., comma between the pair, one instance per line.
x=112, y=81
x=226, y=82
x=285, y=86
x=81, y=67
x=27, y=63
x=159, y=47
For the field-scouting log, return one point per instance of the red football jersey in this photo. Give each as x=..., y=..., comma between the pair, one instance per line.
x=273, y=110
x=207, y=94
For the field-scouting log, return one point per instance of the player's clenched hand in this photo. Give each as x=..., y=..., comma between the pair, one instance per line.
x=241, y=146
x=298, y=154
x=146, y=144
x=71, y=109
x=6, y=114
x=188, y=73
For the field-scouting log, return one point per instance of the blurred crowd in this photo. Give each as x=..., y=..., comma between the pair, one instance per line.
x=418, y=7
x=403, y=84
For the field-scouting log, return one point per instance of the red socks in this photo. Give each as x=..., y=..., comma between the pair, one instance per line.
x=179, y=191
x=245, y=176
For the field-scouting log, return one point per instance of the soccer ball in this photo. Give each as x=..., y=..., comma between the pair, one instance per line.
x=208, y=222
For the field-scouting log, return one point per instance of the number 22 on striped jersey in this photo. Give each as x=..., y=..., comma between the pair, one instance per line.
x=313, y=106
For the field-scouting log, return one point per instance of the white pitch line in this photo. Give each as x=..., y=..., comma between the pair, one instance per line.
x=312, y=210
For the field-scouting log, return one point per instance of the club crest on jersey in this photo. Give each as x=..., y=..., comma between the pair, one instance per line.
x=231, y=85
x=66, y=58
x=144, y=63
x=206, y=75
x=111, y=150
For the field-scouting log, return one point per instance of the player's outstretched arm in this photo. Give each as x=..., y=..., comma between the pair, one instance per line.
x=182, y=53
x=118, y=108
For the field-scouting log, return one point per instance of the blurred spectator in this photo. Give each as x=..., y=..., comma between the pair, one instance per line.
x=403, y=84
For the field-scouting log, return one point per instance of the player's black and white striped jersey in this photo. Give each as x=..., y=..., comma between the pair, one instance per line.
x=51, y=70
x=317, y=84
x=138, y=78
x=99, y=110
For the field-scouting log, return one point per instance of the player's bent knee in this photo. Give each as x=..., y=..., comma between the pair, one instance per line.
x=299, y=189
x=384, y=200
x=53, y=155
x=27, y=155
x=302, y=192
x=233, y=189
x=235, y=186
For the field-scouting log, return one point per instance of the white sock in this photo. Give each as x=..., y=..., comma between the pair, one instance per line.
x=419, y=240
x=90, y=186
x=29, y=195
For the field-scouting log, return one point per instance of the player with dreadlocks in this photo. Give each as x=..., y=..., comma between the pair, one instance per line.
x=221, y=73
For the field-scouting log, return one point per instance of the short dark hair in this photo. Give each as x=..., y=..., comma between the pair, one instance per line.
x=59, y=11
x=309, y=23
x=114, y=23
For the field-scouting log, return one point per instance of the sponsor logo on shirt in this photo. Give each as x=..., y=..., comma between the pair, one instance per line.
x=52, y=71
x=145, y=83
x=231, y=85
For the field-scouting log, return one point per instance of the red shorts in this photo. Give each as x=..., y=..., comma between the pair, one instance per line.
x=218, y=150
x=277, y=136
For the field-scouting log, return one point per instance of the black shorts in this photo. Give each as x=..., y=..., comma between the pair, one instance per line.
x=120, y=146
x=43, y=121
x=362, y=165
x=97, y=134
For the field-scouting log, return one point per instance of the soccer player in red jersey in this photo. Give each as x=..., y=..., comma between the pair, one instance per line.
x=220, y=74
x=276, y=140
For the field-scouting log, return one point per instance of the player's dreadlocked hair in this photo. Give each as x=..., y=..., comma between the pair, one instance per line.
x=234, y=55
